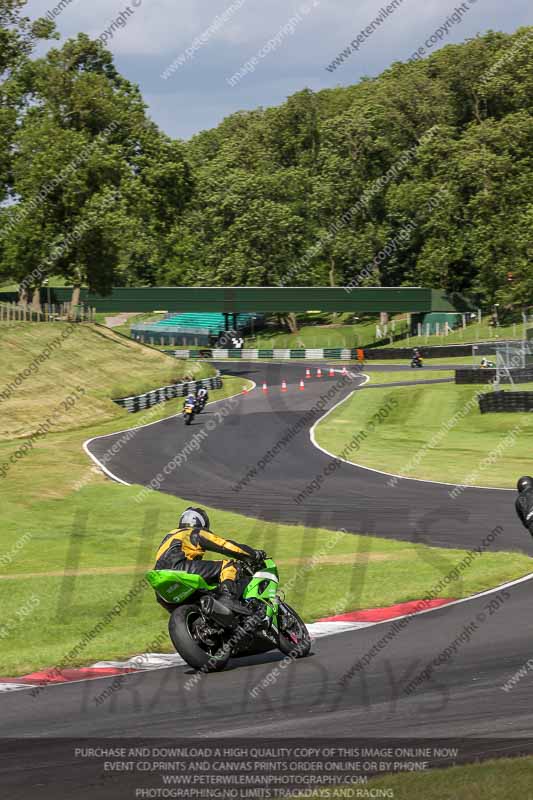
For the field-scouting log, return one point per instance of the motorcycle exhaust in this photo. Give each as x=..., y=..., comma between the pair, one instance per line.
x=217, y=611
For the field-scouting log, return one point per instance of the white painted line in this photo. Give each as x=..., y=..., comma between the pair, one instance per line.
x=380, y=471
x=13, y=687
x=145, y=661
x=319, y=629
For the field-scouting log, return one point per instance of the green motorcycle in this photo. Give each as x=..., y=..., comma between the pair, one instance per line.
x=207, y=632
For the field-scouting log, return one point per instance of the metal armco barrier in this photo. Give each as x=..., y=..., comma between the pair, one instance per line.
x=505, y=401
x=142, y=401
x=339, y=353
x=478, y=375
x=336, y=353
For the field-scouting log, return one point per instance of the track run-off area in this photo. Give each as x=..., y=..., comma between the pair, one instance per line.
x=397, y=694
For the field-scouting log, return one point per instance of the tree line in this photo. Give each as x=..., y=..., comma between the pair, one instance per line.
x=420, y=176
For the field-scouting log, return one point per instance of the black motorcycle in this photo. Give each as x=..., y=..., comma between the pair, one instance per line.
x=417, y=361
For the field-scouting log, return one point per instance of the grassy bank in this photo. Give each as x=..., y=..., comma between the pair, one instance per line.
x=434, y=432
x=125, y=328
x=88, y=363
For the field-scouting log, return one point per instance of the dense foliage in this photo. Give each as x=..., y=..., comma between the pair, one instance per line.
x=421, y=176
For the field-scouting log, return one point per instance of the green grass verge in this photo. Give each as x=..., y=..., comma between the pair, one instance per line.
x=414, y=375
x=490, y=780
x=91, y=364
x=425, y=436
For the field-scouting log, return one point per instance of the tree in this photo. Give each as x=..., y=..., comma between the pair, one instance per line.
x=100, y=184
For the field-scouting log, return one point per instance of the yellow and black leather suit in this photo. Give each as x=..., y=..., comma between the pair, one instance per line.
x=184, y=549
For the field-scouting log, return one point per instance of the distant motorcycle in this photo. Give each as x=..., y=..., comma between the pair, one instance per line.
x=417, y=361
x=188, y=414
x=200, y=404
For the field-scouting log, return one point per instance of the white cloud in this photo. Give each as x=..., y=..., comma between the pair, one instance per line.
x=197, y=96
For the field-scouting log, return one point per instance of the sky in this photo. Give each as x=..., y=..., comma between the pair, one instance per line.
x=230, y=55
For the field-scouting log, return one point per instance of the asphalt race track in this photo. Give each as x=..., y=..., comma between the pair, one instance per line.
x=325, y=694
x=463, y=699
x=358, y=500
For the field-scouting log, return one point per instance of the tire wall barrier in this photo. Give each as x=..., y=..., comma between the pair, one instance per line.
x=142, y=401
x=505, y=401
x=489, y=376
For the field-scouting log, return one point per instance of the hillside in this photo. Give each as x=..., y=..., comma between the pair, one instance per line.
x=45, y=365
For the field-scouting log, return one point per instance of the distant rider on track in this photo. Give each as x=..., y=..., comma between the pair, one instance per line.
x=524, y=502
x=202, y=394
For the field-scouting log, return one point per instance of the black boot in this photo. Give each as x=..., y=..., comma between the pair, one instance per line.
x=229, y=595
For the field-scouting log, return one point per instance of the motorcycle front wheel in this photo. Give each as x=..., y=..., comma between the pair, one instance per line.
x=294, y=638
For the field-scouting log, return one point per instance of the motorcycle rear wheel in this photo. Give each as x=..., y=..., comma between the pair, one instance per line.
x=181, y=629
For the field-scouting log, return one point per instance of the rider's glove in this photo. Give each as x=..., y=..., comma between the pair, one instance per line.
x=259, y=557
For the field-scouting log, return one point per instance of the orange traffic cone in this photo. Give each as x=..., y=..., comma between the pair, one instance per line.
x=265, y=389
x=319, y=373
x=283, y=386
x=244, y=390
x=331, y=372
x=302, y=385
x=307, y=373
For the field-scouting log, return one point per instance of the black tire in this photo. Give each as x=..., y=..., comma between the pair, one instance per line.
x=297, y=627
x=211, y=659
x=188, y=419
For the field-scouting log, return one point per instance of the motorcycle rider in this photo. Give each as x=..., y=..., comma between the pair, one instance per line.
x=524, y=502
x=202, y=393
x=202, y=396
x=183, y=549
x=417, y=356
x=190, y=400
